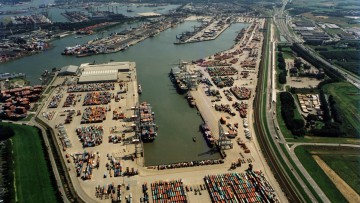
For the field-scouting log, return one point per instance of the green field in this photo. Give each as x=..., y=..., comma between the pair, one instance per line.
x=32, y=176
x=347, y=166
x=304, y=154
x=347, y=98
x=287, y=53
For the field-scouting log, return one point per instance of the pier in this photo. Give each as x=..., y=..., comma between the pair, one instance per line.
x=207, y=31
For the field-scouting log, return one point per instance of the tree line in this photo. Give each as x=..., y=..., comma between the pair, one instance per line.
x=295, y=125
x=282, y=67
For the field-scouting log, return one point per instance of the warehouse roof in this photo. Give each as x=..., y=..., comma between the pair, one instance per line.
x=103, y=72
x=119, y=66
x=106, y=77
x=70, y=69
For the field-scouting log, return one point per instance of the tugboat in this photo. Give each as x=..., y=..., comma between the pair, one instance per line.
x=139, y=89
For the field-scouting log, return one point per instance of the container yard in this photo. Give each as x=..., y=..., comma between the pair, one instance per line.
x=310, y=104
x=241, y=93
x=209, y=30
x=91, y=135
x=221, y=71
x=250, y=186
x=18, y=101
x=97, y=98
x=91, y=87
x=55, y=101
x=168, y=191
x=94, y=115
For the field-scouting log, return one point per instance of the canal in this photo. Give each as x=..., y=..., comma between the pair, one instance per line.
x=154, y=57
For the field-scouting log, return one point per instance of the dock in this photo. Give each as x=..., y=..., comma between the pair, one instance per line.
x=116, y=42
x=206, y=32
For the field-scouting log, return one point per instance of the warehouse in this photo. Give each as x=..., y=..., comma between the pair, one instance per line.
x=108, y=72
x=69, y=70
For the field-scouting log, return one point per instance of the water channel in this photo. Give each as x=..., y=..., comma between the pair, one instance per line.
x=154, y=57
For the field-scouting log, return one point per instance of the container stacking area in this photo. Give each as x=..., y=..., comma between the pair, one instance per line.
x=168, y=191
x=250, y=186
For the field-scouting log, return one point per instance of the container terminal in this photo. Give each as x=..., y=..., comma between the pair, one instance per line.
x=210, y=28
x=120, y=41
x=96, y=106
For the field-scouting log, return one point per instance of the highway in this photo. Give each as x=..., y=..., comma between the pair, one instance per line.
x=271, y=117
x=291, y=37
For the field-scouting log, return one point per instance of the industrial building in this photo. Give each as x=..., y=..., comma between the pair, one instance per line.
x=69, y=70
x=108, y=72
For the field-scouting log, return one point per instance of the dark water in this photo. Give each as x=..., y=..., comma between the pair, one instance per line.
x=154, y=57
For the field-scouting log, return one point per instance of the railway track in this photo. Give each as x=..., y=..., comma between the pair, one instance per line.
x=262, y=139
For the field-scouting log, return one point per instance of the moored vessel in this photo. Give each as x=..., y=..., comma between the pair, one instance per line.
x=147, y=127
x=191, y=100
x=207, y=134
x=184, y=79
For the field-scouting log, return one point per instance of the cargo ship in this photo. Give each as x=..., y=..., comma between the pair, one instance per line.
x=207, y=134
x=184, y=79
x=177, y=76
x=147, y=127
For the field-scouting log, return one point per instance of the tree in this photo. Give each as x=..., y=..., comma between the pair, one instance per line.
x=282, y=66
x=281, y=60
x=307, y=66
x=6, y=132
x=282, y=78
x=297, y=63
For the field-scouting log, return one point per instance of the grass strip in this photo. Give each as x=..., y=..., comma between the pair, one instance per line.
x=323, y=181
x=33, y=179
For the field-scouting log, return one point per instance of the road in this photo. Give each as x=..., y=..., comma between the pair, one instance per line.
x=263, y=138
x=291, y=37
x=271, y=118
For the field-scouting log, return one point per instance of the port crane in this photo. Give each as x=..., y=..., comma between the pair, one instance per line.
x=223, y=140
